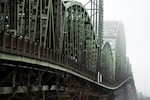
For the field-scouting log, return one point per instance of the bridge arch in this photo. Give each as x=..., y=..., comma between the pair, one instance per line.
x=107, y=63
x=79, y=40
x=115, y=35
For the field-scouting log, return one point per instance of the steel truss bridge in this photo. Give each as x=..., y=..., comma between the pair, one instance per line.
x=54, y=50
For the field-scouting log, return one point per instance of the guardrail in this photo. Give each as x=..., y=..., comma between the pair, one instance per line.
x=23, y=46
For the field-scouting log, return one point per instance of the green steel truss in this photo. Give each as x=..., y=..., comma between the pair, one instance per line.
x=107, y=63
x=79, y=39
x=67, y=28
x=63, y=26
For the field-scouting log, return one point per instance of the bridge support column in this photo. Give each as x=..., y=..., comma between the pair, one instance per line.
x=131, y=92
x=111, y=97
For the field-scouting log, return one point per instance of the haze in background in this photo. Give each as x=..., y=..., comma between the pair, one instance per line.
x=135, y=14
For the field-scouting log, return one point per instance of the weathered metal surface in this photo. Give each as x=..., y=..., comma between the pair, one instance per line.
x=107, y=63
x=59, y=67
x=114, y=34
x=54, y=48
x=37, y=34
x=34, y=81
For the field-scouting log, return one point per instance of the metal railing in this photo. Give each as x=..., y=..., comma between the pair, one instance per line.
x=22, y=46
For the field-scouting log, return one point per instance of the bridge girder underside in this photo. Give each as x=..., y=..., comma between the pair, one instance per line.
x=22, y=82
x=53, y=32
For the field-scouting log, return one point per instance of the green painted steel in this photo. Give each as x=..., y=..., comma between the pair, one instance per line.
x=107, y=62
x=17, y=58
x=62, y=36
x=63, y=26
x=114, y=34
x=79, y=38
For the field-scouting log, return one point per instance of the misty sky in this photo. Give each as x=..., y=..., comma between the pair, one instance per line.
x=135, y=14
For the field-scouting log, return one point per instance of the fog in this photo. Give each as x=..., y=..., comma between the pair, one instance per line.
x=135, y=14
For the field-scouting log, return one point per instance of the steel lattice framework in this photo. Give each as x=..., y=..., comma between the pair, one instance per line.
x=107, y=62
x=56, y=46
x=66, y=28
x=79, y=40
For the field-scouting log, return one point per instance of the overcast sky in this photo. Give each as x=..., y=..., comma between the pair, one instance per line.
x=135, y=14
